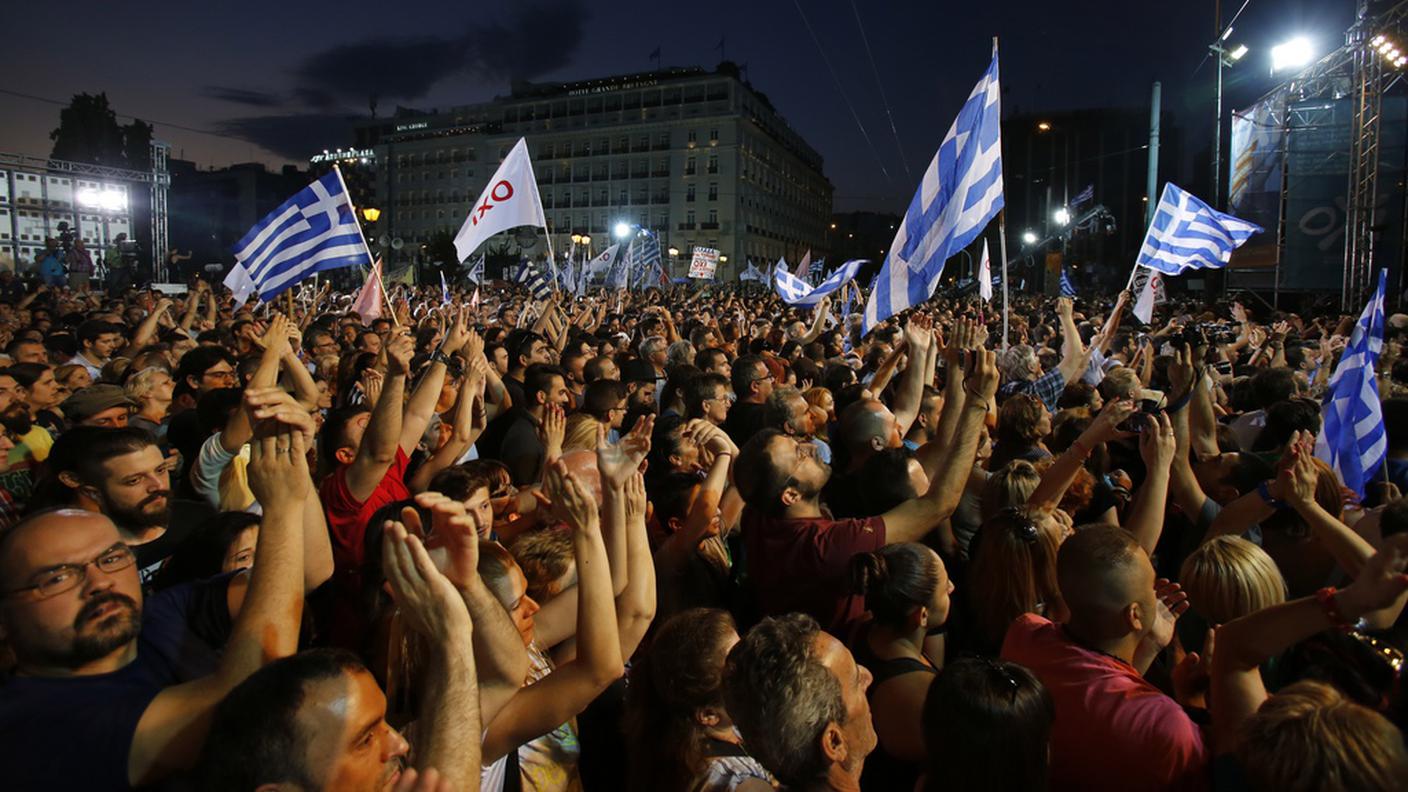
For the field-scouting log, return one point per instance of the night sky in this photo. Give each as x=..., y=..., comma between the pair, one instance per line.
x=280, y=80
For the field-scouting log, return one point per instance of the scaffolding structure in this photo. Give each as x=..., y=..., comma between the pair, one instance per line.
x=158, y=181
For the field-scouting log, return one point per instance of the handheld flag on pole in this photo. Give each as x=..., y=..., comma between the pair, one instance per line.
x=444, y=289
x=1188, y=234
x=1149, y=285
x=476, y=271
x=795, y=291
x=370, y=298
x=1352, y=438
x=985, y=275
x=1068, y=289
x=960, y=192
x=510, y=200
x=314, y=231
x=804, y=270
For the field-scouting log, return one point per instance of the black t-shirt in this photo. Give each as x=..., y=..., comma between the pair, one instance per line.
x=188, y=518
x=76, y=732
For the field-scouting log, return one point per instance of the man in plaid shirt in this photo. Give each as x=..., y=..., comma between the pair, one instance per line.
x=1021, y=369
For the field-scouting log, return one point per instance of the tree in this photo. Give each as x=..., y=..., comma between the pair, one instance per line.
x=88, y=132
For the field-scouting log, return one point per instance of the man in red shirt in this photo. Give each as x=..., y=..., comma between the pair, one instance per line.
x=1113, y=730
x=796, y=555
x=367, y=450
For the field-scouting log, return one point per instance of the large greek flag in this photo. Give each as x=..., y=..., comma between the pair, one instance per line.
x=1352, y=438
x=960, y=192
x=1189, y=234
x=795, y=291
x=314, y=231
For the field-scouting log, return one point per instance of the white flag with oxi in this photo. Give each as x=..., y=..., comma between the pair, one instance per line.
x=985, y=275
x=1149, y=286
x=510, y=200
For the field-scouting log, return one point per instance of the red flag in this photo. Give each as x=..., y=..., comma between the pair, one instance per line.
x=371, y=297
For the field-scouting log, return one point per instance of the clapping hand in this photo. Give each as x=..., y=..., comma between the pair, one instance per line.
x=452, y=528
x=1156, y=443
x=399, y=351
x=278, y=467
x=1106, y=425
x=429, y=602
x=617, y=462
x=552, y=431
x=570, y=502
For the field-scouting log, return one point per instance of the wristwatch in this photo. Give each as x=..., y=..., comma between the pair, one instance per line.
x=1264, y=491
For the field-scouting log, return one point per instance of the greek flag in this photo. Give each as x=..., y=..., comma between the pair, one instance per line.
x=960, y=192
x=314, y=231
x=1189, y=234
x=1082, y=198
x=795, y=291
x=476, y=272
x=539, y=283
x=752, y=273
x=1352, y=440
x=646, y=261
x=1067, y=288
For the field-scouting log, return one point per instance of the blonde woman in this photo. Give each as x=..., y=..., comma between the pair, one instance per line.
x=152, y=389
x=581, y=432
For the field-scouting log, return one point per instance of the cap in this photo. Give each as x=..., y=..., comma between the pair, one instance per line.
x=94, y=399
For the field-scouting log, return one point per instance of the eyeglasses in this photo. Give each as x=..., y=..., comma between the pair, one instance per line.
x=67, y=577
x=1000, y=669
x=221, y=375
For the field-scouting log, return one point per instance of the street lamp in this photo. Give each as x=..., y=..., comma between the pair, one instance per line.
x=1062, y=216
x=1294, y=54
x=371, y=214
x=723, y=259
x=1029, y=237
x=1043, y=126
x=586, y=239
x=622, y=229
x=674, y=252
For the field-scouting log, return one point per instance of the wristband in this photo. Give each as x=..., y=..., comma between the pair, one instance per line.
x=1264, y=492
x=1078, y=446
x=1329, y=602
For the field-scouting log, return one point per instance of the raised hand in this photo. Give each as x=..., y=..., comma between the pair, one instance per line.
x=1172, y=603
x=429, y=602
x=278, y=467
x=399, y=351
x=458, y=332
x=1381, y=581
x=981, y=379
x=552, y=431
x=1297, y=480
x=271, y=406
x=275, y=337
x=1156, y=443
x=1064, y=307
x=1106, y=425
x=453, y=528
x=570, y=501
x=617, y=462
x=635, y=498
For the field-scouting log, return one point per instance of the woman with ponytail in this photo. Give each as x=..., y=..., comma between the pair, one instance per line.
x=675, y=706
x=906, y=590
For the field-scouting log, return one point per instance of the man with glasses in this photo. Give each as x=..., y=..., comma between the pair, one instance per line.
x=707, y=396
x=798, y=557
x=752, y=384
x=109, y=693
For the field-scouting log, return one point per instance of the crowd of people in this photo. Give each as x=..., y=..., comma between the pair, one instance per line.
x=691, y=539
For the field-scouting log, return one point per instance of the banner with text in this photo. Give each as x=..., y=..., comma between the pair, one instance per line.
x=704, y=263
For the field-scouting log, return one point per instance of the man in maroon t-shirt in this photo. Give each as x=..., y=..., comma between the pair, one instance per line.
x=1113, y=729
x=367, y=449
x=796, y=555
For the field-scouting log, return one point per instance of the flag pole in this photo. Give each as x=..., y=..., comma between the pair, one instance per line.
x=1002, y=251
x=365, y=247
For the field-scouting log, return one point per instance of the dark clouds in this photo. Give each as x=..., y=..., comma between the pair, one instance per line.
x=333, y=86
x=242, y=96
x=537, y=39
x=295, y=136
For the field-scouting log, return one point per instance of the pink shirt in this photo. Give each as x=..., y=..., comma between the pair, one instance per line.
x=1113, y=730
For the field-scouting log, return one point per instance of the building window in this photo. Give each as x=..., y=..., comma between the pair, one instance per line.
x=689, y=193
x=713, y=163
x=689, y=217
x=713, y=191
x=714, y=216
x=622, y=198
x=693, y=136
x=713, y=136
x=689, y=166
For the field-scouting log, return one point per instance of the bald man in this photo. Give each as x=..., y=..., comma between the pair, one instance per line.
x=112, y=688
x=1113, y=729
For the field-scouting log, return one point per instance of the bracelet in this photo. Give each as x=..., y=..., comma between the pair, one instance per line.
x=1077, y=445
x=1329, y=603
x=1264, y=492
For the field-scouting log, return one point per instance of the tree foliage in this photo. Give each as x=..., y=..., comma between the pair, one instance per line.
x=88, y=132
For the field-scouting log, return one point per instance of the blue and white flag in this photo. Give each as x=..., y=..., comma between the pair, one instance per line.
x=1082, y=198
x=1189, y=234
x=314, y=231
x=795, y=291
x=599, y=267
x=645, y=260
x=540, y=284
x=1068, y=289
x=960, y=192
x=1352, y=439
x=476, y=271
x=751, y=273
